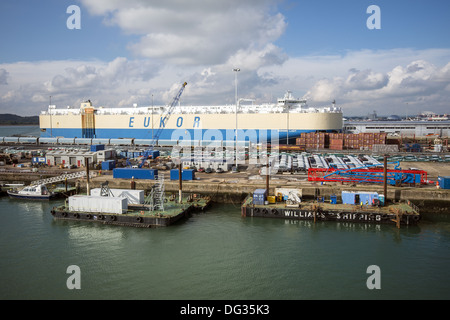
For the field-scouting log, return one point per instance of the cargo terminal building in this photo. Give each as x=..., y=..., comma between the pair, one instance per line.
x=400, y=128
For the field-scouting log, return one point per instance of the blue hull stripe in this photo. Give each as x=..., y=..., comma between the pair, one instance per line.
x=177, y=134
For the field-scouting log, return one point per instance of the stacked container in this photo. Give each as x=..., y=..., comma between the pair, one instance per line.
x=186, y=174
x=259, y=196
x=340, y=141
x=128, y=173
x=108, y=165
x=97, y=147
x=444, y=182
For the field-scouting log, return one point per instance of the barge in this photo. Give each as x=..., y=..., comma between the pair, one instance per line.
x=118, y=212
x=401, y=213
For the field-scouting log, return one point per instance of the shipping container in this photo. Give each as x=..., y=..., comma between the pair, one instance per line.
x=108, y=165
x=381, y=198
x=366, y=198
x=92, y=204
x=152, y=153
x=348, y=197
x=132, y=196
x=38, y=160
x=136, y=173
x=97, y=147
x=259, y=196
x=186, y=174
x=444, y=182
x=333, y=199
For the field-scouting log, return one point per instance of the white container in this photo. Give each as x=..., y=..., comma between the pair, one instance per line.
x=133, y=196
x=93, y=204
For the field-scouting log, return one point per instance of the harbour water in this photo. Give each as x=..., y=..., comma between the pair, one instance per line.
x=219, y=255
x=9, y=131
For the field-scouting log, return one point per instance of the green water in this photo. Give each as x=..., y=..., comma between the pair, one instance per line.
x=9, y=131
x=219, y=255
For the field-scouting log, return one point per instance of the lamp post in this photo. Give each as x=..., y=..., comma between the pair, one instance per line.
x=152, y=118
x=50, y=111
x=236, y=70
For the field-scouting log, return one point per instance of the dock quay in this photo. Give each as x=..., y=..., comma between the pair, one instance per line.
x=235, y=187
x=235, y=190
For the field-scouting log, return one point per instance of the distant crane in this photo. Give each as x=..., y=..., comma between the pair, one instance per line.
x=164, y=119
x=166, y=115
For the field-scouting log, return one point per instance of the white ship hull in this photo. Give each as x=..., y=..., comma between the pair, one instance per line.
x=254, y=123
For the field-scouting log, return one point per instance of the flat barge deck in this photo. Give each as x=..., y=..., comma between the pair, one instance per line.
x=138, y=215
x=397, y=214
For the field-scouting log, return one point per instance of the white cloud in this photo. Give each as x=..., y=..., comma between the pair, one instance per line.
x=360, y=82
x=4, y=77
x=194, y=32
x=366, y=80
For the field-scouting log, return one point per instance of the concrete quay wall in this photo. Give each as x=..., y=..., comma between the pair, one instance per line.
x=231, y=189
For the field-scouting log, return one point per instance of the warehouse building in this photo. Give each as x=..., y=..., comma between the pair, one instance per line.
x=400, y=128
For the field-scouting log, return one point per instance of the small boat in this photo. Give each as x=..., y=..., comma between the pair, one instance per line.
x=37, y=192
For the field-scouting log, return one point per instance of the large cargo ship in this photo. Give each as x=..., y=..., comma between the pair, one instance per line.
x=286, y=119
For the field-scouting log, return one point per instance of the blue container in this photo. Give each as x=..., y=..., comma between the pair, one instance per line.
x=444, y=182
x=97, y=147
x=367, y=197
x=185, y=174
x=136, y=173
x=348, y=197
x=151, y=153
x=155, y=154
x=188, y=174
x=381, y=198
x=333, y=199
x=108, y=165
x=259, y=196
x=174, y=174
x=38, y=160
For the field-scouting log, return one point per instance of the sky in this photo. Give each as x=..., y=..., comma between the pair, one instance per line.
x=141, y=51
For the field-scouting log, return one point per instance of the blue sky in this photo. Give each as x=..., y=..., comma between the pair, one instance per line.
x=334, y=26
x=128, y=51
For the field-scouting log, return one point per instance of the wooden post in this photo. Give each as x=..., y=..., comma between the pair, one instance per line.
x=180, y=184
x=267, y=175
x=86, y=161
